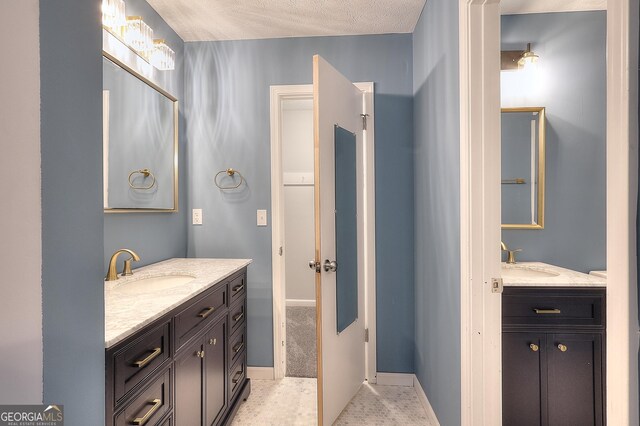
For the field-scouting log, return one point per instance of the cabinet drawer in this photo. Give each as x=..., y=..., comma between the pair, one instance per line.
x=168, y=421
x=237, y=375
x=237, y=316
x=238, y=288
x=533, y=307
x=237, y=345
x=138, y=360
x=150, y=406
x=188, y=322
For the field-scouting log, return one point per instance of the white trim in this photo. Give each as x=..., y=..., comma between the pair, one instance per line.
x=622, y=173
x=277, y=95
x=432, y=419
x=395, y=379
x=480, y=393
x=481, y=357
x=300, y=302
x=370, y=231
x=260, y=373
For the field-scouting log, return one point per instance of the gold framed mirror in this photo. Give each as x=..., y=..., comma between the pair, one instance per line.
x=140, y=142
x=523, y=167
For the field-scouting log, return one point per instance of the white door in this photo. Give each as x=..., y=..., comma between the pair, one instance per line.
x=338, y=150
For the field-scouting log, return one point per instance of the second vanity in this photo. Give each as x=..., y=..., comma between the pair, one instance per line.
x=553, y=346
x=175, y=339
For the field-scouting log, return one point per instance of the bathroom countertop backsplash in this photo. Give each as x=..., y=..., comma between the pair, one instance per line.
x=125, y=313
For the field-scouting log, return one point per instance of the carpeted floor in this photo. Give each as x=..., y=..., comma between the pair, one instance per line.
x=301, y=341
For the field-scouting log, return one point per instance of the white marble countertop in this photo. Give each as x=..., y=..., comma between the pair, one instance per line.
x=125, y=313
x=564, y=278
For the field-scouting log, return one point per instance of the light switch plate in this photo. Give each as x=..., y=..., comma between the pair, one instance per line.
x=197, y=217
x=262, y=217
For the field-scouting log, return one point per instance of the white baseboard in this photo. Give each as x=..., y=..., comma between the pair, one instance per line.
x=260, y=373
x=431, y=415
x=300, y=302
x=394, y=379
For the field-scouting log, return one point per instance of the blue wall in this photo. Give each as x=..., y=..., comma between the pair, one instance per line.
x=155, y=236
x=227, y=108
x=72, y=218
x=571, y=84
x=437, y=207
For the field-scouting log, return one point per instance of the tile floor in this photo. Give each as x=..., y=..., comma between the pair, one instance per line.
x=292, y=401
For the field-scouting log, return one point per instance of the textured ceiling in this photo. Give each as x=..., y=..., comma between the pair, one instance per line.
x=509, y=7
x=197, y=20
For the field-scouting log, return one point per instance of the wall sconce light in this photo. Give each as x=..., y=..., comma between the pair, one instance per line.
x=517, y=59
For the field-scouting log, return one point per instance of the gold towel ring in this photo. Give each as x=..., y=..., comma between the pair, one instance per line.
x=230, y=173
x=146, y=173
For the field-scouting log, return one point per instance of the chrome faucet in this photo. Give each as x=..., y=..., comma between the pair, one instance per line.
x=511, y=254
x=112, y=274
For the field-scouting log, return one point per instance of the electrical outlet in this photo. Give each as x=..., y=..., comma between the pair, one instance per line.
x=197, y=217
x=262, y=217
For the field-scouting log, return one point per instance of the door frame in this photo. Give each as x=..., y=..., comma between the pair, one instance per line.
x=479, y=137
x=278, y=94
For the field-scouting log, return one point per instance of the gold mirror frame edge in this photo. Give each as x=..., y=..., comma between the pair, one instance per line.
x=541, y=168
x=175, y=139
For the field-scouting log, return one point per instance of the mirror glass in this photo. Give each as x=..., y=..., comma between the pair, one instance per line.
x=346, y=228
x=523, y=153
x=140, y=142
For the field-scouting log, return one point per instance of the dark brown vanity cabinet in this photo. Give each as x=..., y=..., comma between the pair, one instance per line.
x=553, y=356
x=187, y=368
x=201, y=378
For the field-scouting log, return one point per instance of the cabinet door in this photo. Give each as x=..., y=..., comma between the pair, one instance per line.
x=215, y=372
x=523, y=378
x=188, y=406
x=575, y=379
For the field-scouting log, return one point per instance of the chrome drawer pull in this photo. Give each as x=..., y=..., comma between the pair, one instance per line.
x=143, y=362
x=237, y=348
x=206, y=312
x=236, y=377
x=157, y=403
x=238, y=288
x=238, y=317
x=546, y=311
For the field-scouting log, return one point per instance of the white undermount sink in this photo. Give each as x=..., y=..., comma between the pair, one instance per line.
x=154, y=284
x=521, y=271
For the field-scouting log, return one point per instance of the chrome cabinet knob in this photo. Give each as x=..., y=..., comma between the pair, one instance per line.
x=330, y=265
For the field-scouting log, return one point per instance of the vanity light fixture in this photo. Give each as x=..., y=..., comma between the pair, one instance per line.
x=163, y=58
x=517, y=59
x=139, y=36
x=114, y=17
x=135, y=33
